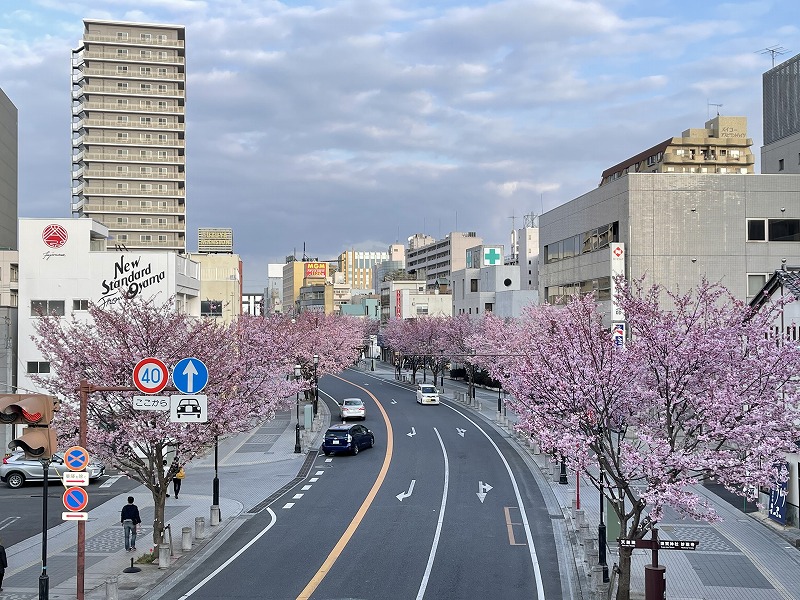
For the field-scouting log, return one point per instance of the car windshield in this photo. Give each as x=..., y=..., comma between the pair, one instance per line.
x=352, y=402
x=336, y=434
x=427, y=389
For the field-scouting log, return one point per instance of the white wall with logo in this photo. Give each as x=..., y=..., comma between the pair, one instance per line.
x=63, y=264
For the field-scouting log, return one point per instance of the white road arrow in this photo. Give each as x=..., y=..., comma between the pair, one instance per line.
x=482, y=489
x=413, y=432
x=190, y=371
x=394, y=401
x=403, y=495
x=461, y=432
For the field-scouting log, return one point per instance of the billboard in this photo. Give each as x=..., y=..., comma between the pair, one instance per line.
x=215, y=240
x=316, y=269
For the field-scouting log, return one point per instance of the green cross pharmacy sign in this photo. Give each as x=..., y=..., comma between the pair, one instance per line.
x=492, y=256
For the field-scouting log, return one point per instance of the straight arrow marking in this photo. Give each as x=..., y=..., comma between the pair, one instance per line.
x=482, y=489
x=413, y=432
x=403, y=495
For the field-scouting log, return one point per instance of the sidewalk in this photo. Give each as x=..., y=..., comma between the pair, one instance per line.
x=744, y=557
x=269, y=447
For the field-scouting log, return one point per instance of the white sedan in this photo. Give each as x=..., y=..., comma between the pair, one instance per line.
x=352, y=408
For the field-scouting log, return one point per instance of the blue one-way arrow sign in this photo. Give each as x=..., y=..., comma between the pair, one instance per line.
x=190, y=375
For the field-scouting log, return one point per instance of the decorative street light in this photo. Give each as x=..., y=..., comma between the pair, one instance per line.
x=316, y=385
x=297, y=448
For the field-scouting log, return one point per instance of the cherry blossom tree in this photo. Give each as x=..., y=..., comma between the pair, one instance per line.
x=460, y=334
x=248, y=382
x=704, y=388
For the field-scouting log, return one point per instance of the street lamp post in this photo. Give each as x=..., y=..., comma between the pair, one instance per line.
x=316, y=385
x=601, y=528
x=297, y=448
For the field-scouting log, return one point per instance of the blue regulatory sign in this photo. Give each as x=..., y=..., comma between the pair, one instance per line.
x=190, y=375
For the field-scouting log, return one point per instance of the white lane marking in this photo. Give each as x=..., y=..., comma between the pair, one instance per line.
x=523, y=514
x=218, y=570
x=424, y=583
x=328, y=460
x=8, y=521
x=305, y=488
x=482, y=489
x=288, y=505
x=403, y=495
x=313, y=480
x=394, y=401
x=461, y=432
x=413, y=432
x=320, y=473
x=110, y=481
x=297, y=496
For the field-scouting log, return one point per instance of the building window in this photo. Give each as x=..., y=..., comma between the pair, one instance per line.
x=734, y=154
x=162, y=221
x=47, y=307
x=144, y=71
x=123, y=237
x=38, y=367
x=122, y=52
x=780, y=164
x=122, y=68
x=122, y=186
x=122, y=220
x=145, y=87
x=755, y=282
x=162, y=121
x=145, y=53
x=122, y=85
x=122, y=102
x=145, y=170
x=162, y=238
x=211, y=308
x=122, y=119
x=122, y=35
x=162, y=72
x=122, y=169
x=145, y=238
x=146, y=221
x=145, y=187
x=122, y=153
x=146, y=37
x=161, y=38
x=162, y=89
x=473, y=285
x=756, y=230
x=145, y=120
x=122, y=203
x=122, y=135
x=783, y=230
x=80, y=305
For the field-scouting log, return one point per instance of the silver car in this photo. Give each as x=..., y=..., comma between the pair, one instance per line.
x=16, y=470
x=352, y=408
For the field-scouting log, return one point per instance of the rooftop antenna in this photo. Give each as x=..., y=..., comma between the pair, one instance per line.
x=708, y=108
x=777, y=49
x=513, y=221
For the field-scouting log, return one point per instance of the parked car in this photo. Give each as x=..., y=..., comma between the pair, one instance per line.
x=427, y=394
x=352, y=408
x=16, y=469
x=347, y=438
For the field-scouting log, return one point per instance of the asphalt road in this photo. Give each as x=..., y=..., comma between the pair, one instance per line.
x=441, y=507
x=21, y=509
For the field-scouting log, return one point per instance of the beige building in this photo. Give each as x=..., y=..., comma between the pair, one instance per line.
x=128, y=132
x=298, y=274
x=357, y=267
x=435, y=260
x=220, y=285
x=722, y=147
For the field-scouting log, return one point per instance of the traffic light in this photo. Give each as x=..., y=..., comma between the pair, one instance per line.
x=35, y=411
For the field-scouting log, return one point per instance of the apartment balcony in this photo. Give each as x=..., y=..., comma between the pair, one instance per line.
x=98, y=174
x=98, y=208
x=114, y=124
x=129, y=91
x=130, y=41
x=129, y=158
x=146, y=76
x=138, y=244
x=97, y=105
x=115, y=192
x=147, y=227
x=88, y=140
x=128, y=58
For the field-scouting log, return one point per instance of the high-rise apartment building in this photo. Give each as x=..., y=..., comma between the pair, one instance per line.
x=357, y=267
x=781, y=89
x=434, y=261
x=128, y=126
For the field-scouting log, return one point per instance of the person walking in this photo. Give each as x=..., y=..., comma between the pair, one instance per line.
x=177, y=480
x=3, y=563
x=129, y=517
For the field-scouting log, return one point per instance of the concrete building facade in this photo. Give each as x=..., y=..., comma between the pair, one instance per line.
x=721, y=147
x=781, y=94
x=220, y=285
x=357, y=267
x=676, y=228
x=64, y=266
x=409, y=299
x=434, y=262
x=128, y=132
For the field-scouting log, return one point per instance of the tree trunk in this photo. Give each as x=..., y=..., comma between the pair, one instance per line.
x=159, y=499
x=624, y=579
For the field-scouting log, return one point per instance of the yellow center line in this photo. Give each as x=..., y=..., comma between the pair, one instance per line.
x=351, y=529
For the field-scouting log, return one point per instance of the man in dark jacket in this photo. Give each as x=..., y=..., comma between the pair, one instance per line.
x=3, y=563
x=129, y=517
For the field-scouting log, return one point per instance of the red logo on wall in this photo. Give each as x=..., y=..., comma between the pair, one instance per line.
x=54, y=236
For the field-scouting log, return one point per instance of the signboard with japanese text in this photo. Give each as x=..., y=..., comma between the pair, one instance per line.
x=212, y=239
x=617, y=268
x=777, y=501
x=316, y=269
x=618, y=334
x=151, y=402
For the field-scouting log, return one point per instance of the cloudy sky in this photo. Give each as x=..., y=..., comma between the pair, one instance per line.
x=353, y=124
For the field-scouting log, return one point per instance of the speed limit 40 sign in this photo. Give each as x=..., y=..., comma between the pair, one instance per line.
x=150, y=375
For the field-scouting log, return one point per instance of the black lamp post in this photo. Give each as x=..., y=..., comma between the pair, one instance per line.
x=601, y=528
x=297, y=447
x=316, y=385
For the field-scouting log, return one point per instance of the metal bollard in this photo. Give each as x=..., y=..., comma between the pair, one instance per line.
x=214, y=515
x=580, y=517
x=163, y=556
x=199, y=528
x=597, y=577
x=111, y=588
x=186, y=539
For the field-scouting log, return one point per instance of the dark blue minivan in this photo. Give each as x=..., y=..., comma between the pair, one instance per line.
x=347, y=438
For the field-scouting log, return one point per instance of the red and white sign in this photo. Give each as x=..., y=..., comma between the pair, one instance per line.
x=54, y=236
x=74, y=516
x=79, y=478
x=150, y=375
x=316, y=269
x=75, y=499
x=398, y=304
